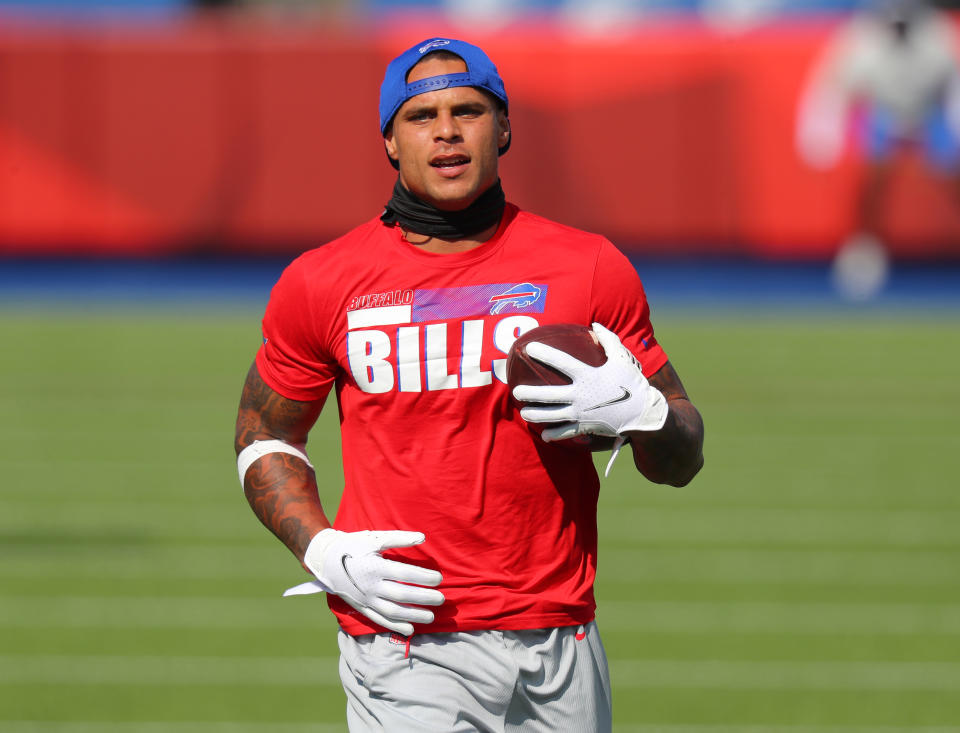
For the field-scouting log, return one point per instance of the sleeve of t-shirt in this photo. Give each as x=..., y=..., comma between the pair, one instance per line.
x=292, y=359
x=619, y=302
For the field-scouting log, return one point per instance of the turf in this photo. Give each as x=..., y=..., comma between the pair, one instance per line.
x=808, y=580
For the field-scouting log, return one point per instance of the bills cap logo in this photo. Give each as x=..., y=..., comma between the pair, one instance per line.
x=434, y=44
x=519, y=296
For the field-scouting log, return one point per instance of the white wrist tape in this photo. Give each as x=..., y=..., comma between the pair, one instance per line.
x=259, y=448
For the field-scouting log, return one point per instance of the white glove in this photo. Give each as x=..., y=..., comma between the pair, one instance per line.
x=349, y=564
x=611, y=399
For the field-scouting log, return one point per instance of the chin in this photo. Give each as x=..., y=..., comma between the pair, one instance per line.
x=454, y=204
x=453, y=200
x=458, y=194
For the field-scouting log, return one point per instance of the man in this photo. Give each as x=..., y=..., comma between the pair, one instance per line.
x=482, y=617
x=893, y=70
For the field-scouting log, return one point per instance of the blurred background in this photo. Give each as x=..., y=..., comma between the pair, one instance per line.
x=159, y=127
x=783, y=174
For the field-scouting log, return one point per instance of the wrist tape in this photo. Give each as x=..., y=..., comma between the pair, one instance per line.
x=259, y=448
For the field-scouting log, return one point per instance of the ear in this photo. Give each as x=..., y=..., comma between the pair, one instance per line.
x=390, y=143
x=503, y=137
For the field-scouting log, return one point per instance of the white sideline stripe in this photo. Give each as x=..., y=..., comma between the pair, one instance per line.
x=385, y=316
x=322, y=671
x=198, y=612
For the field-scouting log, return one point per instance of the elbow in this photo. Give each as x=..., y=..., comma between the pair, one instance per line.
x=677, y=468
x=678, y=474
x=687, y=469
x=684, y=477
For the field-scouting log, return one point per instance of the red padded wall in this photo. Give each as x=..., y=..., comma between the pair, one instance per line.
x=253, y=137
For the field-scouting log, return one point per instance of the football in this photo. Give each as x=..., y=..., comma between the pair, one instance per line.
x=578, y=341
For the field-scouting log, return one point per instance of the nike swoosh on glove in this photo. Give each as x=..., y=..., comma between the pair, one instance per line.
x=349, y=564
x=611, y=399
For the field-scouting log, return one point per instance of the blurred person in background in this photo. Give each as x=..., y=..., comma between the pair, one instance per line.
x=890, y=73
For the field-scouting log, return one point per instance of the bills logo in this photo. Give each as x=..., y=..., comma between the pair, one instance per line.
x=427, y=340
x=439, y=43
x=394, y=307
x=519, y=296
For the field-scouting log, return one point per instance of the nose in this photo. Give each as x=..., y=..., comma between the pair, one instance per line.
x=446, y=127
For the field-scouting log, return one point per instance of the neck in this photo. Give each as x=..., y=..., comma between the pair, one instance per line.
x=450, y=231
x=437, y=245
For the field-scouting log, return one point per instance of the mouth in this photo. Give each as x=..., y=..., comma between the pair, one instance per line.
x=451, y=162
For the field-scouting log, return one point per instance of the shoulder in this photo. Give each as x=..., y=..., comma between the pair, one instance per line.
x=319, y=275
x=575, y=250
x=559, y=236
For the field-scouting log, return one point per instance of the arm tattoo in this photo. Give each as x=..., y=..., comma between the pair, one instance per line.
x=674, y=454
x=281, y=489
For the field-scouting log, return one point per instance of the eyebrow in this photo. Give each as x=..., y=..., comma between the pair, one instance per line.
x=468, y=106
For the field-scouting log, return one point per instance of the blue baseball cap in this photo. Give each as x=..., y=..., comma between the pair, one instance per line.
x=480, y=73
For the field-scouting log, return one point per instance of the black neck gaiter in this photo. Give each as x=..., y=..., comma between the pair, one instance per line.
x=416, y=215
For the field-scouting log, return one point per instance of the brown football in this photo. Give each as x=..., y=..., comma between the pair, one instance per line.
x=578, y=341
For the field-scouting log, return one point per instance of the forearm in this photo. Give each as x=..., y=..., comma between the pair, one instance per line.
x=674, y=454
x=282, y=491
x=280, y=488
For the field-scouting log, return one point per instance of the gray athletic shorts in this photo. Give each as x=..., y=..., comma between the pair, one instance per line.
x=537, y=680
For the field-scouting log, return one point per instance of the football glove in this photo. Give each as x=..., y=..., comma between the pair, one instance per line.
x=611, y=399
x=349, y=564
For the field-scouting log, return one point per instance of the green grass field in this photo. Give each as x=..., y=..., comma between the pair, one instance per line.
x=808, y=579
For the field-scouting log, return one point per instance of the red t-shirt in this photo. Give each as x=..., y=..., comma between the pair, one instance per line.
x=416, y=345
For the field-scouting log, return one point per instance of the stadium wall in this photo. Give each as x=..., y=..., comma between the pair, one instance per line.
x=261, y=138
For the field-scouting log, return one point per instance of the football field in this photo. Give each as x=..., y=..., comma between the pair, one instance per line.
x=807, y=581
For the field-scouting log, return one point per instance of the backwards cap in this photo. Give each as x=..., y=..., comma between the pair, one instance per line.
x=480, y=73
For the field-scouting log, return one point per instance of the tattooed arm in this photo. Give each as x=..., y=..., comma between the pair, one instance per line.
x=281, y=489
x=674, y=454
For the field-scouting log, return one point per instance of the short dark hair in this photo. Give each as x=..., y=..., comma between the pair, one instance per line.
x=441, y=54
